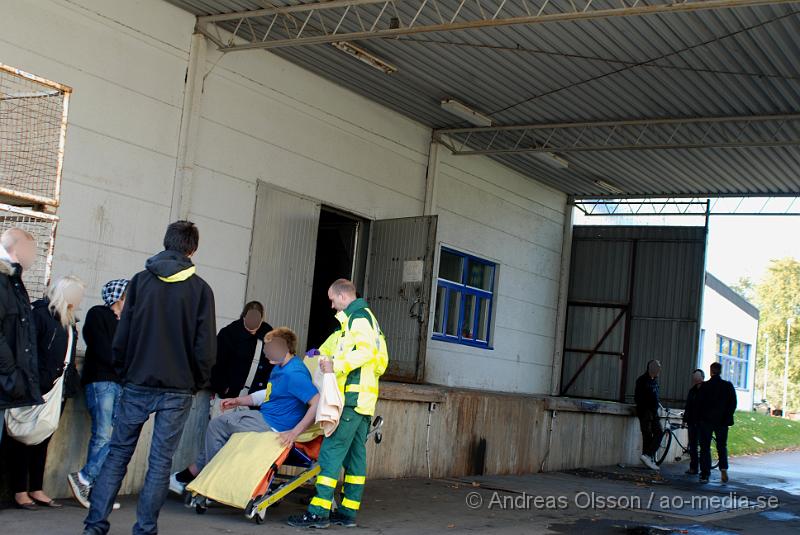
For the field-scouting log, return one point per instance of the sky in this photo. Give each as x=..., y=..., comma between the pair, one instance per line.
x=741, y=246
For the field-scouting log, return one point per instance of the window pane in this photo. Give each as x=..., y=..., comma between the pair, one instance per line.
x=451, y=267
x=438, y=317
x=483, y=320
x=728, y=370
x=453, y=310
x=468, y=326
x=480, y=275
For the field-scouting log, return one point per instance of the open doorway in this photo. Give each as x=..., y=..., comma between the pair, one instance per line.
x=341, y=253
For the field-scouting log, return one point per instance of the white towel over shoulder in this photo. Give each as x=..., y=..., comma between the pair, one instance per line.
x=329, y=408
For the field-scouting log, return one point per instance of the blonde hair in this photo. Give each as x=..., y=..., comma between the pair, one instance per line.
x=62, y=293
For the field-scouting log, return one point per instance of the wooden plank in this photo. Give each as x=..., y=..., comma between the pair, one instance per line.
x=412, y=392
x=589, y=405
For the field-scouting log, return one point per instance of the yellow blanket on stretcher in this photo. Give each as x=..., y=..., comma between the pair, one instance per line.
x=237, y=469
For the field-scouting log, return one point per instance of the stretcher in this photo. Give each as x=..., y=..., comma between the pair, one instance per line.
x=249, y=472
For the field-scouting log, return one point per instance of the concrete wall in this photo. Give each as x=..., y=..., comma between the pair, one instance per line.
x=263, y=118
x=722, y=317
x=126, y=65
x=489, y=211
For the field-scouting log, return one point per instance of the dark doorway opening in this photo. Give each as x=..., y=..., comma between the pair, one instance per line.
x=341, y=253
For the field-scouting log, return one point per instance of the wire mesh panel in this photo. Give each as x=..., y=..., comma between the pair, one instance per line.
x=33, y=119
x=43, y=229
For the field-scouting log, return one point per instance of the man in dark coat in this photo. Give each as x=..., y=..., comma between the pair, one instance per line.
x=646, y=396
x=237, y=344
x=717, y=401
x=691, y=418
x=164, y=349
x=19, y=375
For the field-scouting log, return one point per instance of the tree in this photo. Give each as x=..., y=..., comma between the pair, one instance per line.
x=746, y=288
x=778, y=298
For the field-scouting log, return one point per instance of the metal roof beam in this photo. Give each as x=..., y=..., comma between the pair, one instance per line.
x=641, y=134
x=352, y=20
x=690, y=206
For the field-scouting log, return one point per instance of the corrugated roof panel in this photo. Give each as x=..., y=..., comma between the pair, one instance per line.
x=709, y=63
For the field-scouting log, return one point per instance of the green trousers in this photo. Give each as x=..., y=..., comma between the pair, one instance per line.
x=346, y=448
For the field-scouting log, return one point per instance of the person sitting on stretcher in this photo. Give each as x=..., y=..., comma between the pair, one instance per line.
x=287, y=406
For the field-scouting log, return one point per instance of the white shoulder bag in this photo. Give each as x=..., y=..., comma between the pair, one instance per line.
x=251, y=375
x=34, y=425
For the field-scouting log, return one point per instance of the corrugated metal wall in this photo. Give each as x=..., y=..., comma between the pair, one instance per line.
x=653, y=276
x=281, y=271
x=400, y=295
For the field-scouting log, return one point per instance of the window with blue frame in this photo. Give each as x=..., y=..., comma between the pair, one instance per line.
x=701, y=348
x=735, y=359
x=464, y=299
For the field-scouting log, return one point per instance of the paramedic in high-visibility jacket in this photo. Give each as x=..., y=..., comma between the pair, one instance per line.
x=358, y=356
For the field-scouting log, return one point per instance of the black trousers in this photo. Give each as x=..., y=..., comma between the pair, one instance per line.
x=720, y=432
x=651, y=432
x=26, y=465
x=694, y=444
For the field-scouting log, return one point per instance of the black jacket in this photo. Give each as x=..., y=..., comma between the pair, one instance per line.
x=19, y=374
x=646, y=395
x=166, y=337
x=235, y=350
x=98, y=333
x=717, y=400
x=691, y=412
x=51, y=345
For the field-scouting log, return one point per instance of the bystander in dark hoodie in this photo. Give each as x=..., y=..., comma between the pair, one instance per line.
x=166, y=337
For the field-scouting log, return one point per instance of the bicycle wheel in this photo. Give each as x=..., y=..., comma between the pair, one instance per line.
x=663, y=446
x=714, y=454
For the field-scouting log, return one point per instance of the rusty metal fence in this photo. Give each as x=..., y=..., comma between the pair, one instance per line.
x=33, y=122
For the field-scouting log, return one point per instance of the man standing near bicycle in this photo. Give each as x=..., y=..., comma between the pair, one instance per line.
x=691, y=419
x=647, y=401
x=717, y=400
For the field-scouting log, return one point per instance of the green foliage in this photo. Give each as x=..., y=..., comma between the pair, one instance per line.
x=746, y=288
x=778, y=298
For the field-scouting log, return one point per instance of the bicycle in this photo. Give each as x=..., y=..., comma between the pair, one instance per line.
x=669, y=434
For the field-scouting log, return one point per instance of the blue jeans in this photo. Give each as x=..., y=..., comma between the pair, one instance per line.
x=2, y=423
x=102, y=400
x=137, y=403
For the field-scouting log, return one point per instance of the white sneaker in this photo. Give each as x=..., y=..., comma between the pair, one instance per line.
x=116, y=506
x=648, y=462
x=176, y=486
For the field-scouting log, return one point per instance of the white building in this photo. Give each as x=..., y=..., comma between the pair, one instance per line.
x=728, y=335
